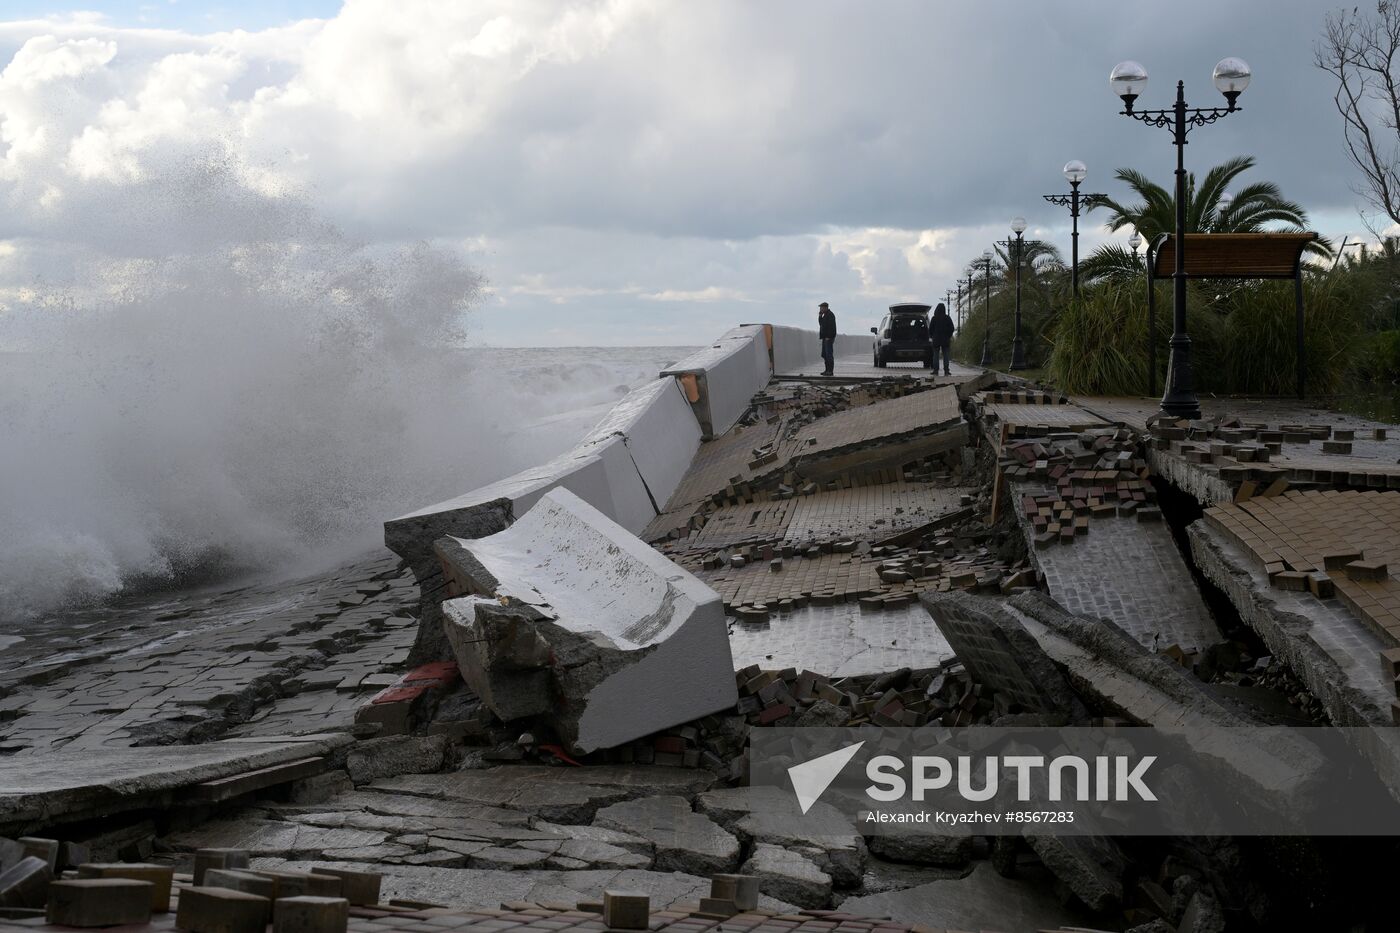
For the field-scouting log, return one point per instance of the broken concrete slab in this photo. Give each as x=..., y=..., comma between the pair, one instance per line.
x=631, y=643
x=72, y=785
x=628, y=842
x=1000, y=655
x=372, y=759
x=566, y=795
x=1091, y=866
x=923, y=849
x=1121, y=678
x=788, y=876
x=272, y=837
x=684, y=841
x=771, y=815
x=409, y=805
x=983, y=900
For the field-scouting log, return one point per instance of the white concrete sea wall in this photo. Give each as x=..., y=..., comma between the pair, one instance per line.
x=725, y=376
x=627, y=467
x=574, y=619
x=630, y=463
x=796, y=349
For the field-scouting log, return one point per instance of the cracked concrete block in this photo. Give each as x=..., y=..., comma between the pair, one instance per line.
x=685, y=841
x=320, y=788
x=788, y=876
x=373, y=759
x=574, y=619
x=1091, y=866
x=771, y=815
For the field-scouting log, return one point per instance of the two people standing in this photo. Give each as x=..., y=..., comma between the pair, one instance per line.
x=940, y=331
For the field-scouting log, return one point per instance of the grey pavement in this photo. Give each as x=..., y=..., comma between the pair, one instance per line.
x=863, y=367
x=266, y=659
x=1132, y=573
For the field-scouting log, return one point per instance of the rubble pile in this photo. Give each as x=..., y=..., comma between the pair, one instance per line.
x=1089, y=474
x=945, y=696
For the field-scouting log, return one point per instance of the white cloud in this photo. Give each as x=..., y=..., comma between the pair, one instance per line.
x=739, y=153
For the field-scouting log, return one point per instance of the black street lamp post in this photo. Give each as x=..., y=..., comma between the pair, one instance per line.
x=1018, y=350
x=1134, y=242
x=987, y=311
x=959, y=307
x=1074, y=172
x=968, y=309
x=1231, y=77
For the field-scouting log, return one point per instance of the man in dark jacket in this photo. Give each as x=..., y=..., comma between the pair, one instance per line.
x=826, y=330
x=941, y=331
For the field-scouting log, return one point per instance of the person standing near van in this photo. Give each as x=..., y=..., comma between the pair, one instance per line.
x=940, y=330
x=826, y=330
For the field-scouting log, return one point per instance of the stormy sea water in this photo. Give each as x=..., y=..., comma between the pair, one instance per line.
x=199, y=381
x=130, y=479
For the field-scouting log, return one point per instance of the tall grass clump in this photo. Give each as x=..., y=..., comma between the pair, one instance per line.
x=1099, y=342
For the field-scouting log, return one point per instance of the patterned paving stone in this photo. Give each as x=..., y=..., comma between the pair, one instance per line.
x=1308, y=532
x=1133, y=574
x=189, y=669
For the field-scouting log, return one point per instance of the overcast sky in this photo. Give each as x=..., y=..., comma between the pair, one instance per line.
x=638, y=172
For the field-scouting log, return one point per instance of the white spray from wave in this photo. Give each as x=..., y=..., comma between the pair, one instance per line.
x=269, y=389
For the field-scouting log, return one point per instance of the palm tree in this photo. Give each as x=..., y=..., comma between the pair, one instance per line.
x=1208, y=210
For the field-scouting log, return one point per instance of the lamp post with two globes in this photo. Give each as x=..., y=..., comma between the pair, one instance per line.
x=1074, y=173
x=1231, y=77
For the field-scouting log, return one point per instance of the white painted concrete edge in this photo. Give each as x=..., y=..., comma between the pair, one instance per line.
x=630, y=464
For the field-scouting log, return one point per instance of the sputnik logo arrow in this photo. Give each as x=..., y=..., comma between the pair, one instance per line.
x=811, y=778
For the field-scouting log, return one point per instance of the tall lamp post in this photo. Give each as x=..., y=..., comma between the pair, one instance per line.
x=968, y=310
x=987, y=309
x=959, y=307
x=1134, y=242
x=1231, y=77
x=1074, y=172
x=1018, y=350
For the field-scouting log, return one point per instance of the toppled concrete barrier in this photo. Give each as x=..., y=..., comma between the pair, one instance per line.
x=567, y=616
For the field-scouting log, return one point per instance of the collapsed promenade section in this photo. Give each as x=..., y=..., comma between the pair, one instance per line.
x=538, y=714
